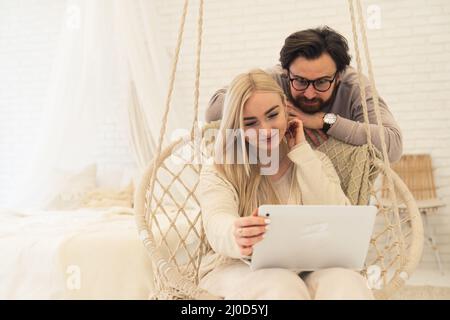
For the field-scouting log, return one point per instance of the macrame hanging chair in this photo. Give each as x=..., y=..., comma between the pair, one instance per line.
x=168, y=213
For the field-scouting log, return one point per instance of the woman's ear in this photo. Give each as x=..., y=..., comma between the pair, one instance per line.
x=285, y=102
x=285, y=107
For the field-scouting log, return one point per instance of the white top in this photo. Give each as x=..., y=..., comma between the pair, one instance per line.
x=318, y=184
x=284, y=187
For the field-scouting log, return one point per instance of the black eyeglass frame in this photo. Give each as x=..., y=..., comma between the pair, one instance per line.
x=313, y=82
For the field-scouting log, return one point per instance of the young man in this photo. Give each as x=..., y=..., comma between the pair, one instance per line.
x=323, y=91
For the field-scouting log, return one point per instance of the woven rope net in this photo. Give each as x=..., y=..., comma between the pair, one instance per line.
x=168, y=212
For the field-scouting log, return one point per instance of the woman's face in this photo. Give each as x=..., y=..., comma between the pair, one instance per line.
x=265, y=120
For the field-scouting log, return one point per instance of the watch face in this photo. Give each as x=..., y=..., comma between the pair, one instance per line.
x=330, y=118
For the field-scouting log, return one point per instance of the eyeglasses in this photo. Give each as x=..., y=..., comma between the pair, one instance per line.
x=321, y=85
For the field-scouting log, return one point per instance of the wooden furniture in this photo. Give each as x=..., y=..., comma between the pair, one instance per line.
x=416, y=171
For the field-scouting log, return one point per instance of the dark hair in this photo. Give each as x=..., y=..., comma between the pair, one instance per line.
x=312, y=43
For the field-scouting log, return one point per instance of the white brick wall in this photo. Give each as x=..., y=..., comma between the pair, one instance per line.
x=410, y=55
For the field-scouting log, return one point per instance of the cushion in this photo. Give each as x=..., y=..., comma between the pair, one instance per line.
x=108, y=197
x=72, y=189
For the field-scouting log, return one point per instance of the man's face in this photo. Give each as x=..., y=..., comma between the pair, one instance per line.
x=322, y=69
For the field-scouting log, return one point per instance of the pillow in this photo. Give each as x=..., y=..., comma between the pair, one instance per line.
x=110, y=176
x=108, y=197
x=72, y=188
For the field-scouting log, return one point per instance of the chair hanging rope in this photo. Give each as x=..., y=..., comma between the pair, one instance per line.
x=363, y=32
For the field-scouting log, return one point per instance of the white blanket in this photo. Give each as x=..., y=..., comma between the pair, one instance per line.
x=82, y=254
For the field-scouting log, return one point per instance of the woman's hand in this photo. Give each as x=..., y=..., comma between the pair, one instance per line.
x=294, y=133
x=248, y=231
x=312, y=123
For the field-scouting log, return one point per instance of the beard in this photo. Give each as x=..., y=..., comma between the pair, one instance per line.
x=314, y=105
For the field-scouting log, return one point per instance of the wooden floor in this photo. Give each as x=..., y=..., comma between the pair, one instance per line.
x=431, y=277
x=426, y=284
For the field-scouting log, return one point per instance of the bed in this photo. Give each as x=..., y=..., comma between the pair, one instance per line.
x=83, y=243
x=77, y=254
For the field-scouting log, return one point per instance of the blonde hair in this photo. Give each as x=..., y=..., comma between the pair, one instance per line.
x=253, y=189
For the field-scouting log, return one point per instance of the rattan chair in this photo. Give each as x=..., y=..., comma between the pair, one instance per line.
x=417, y=172
x=168, y=213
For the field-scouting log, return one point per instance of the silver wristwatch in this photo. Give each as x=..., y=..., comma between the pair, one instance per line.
x=328, y=120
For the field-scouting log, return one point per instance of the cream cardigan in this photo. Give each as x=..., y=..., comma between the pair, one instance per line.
x=317, y=181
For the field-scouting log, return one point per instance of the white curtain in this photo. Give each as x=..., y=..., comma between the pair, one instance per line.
x=110, y=63
x=137, y=24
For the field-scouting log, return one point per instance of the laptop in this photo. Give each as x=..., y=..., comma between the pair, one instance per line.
x=308, y=238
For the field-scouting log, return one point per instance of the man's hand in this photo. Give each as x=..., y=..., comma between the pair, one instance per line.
x=248, y=231
x=312, y=123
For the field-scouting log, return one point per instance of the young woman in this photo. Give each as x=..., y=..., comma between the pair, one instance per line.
x=231, y=191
